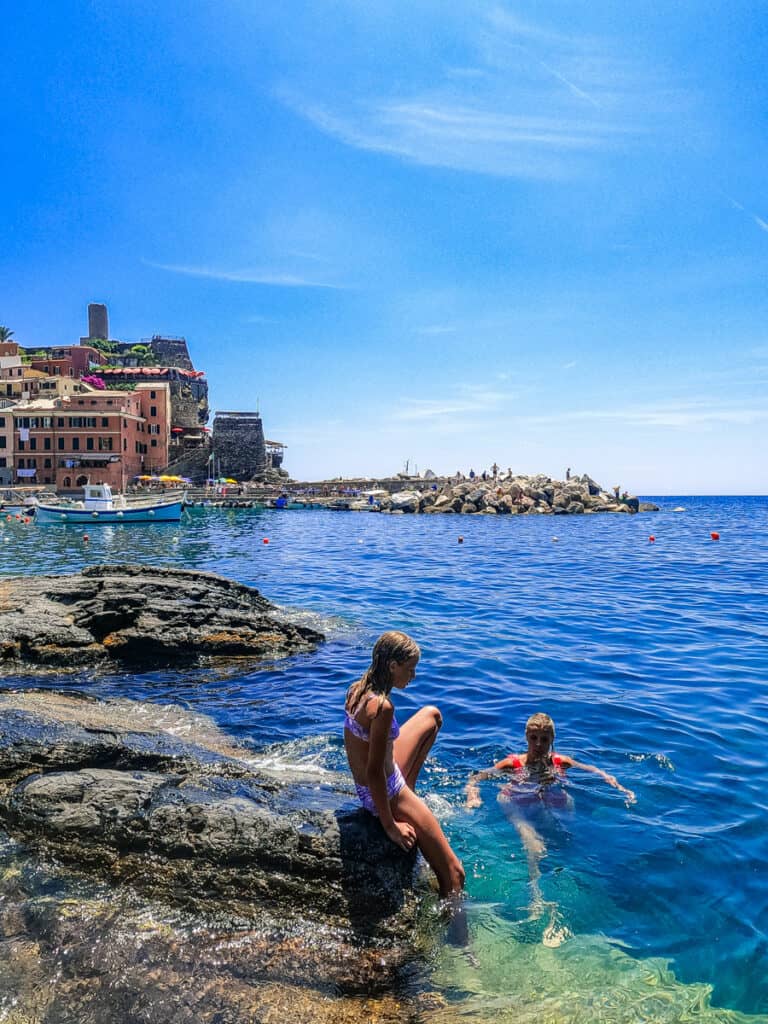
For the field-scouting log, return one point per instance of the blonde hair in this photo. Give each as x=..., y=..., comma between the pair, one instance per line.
x=541, y=721
x=377, y=678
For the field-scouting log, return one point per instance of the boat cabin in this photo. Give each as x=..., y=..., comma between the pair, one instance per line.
x=98, y=497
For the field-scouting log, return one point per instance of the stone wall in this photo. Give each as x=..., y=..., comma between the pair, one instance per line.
x=238, y=445
x=171, y=352
x=189, y=400
x=194, y=464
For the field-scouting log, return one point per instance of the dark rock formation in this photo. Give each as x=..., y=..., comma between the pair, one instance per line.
x=138, y=615
x=196, y=827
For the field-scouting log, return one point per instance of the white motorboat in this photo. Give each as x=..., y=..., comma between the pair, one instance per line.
x=99, y=506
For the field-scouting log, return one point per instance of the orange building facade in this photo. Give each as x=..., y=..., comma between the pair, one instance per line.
x=91, y=436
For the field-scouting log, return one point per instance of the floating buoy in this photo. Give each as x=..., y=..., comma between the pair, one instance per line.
x=86, y=538
x=18, y=517
x=651, y=539
x=461, y=540
x=555, y=540
x=715, y=536
x=26, y=519
x=151, y=512
x=265, y=541
x=8, y=519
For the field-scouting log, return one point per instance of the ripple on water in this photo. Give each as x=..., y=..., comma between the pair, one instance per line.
x=650, y=658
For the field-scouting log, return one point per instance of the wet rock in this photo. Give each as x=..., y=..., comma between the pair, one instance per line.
x=194, y=826
x=141, y=616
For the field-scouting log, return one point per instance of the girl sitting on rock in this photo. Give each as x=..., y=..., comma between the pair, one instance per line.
x=385, y=758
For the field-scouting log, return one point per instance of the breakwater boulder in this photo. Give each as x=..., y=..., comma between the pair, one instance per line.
x=513, y=495
x=139, y=616
x=196, y=826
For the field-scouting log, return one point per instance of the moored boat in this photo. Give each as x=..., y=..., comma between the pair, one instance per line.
x=99, y=507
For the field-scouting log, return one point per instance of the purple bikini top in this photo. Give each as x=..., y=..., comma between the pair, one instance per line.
x=352, y=725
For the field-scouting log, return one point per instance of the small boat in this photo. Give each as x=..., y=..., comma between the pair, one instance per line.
x=99, y=507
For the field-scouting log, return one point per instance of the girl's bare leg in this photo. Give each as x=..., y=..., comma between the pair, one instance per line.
x=406, y=806
x=415, y=741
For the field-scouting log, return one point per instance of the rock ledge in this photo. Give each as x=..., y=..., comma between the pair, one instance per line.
x=139, y=616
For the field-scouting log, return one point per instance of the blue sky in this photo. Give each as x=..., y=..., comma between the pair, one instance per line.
x=535, y=233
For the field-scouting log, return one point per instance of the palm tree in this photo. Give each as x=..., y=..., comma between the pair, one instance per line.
x=5, y=334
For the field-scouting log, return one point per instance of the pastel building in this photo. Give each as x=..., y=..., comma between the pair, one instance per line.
x=6, y=441
x=66, y=360
x=91, y=436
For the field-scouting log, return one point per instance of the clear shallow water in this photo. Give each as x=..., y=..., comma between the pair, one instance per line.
x=651, y=659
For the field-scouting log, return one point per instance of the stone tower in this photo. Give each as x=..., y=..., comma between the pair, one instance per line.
x=238, y=445
x=98, y=320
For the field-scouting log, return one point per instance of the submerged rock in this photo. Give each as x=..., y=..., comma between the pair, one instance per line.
x=140, y=616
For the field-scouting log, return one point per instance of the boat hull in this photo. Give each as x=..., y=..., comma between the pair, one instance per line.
x=58, y=515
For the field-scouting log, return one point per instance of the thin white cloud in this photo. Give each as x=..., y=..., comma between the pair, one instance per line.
x=534, y=104
x=470, y=401
x=690, y=414
x=446, y=131
x=245, y=276
x=762, y=224
x=570, y=366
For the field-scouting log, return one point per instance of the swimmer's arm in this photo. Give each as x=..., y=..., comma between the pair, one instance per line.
x=472, y=791
x=568, y=762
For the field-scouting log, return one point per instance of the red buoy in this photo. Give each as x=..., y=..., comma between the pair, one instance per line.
x=265, y=541
x=715, y=536
x=651, y=539
x=86, y=538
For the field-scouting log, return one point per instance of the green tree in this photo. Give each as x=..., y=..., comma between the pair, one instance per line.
x=108, y=347
x=5, y=334
x=144, y=354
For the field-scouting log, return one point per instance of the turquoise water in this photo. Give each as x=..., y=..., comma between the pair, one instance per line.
x=651, y=658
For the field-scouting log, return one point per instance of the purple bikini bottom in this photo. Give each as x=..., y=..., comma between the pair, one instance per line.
x=395, y=783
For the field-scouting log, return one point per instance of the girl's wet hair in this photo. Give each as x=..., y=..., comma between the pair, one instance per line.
x=377, y=678
x=540, y=721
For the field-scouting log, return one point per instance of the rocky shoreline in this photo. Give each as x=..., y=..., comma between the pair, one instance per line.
x=519, y=495
x=140, y=617
x=204, y=827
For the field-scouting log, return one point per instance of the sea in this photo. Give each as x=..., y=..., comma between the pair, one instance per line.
x=643, y=636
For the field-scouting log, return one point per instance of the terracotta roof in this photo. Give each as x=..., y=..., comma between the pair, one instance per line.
x=147, y=371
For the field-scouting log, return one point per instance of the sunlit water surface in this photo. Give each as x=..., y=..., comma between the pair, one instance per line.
x=651, y=658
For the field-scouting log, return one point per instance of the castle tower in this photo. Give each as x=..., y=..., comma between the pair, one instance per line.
x=238, y=445
x=98, y=320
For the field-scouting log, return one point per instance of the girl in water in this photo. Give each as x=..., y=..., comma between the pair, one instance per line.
x=536, y=771
x=385, y=758
x=536, y=788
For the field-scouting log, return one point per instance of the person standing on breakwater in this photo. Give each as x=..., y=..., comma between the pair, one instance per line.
x=385, y=758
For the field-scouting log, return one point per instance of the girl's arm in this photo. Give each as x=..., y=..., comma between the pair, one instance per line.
x=472, y=791
x=568, y=762
x=400, y=833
